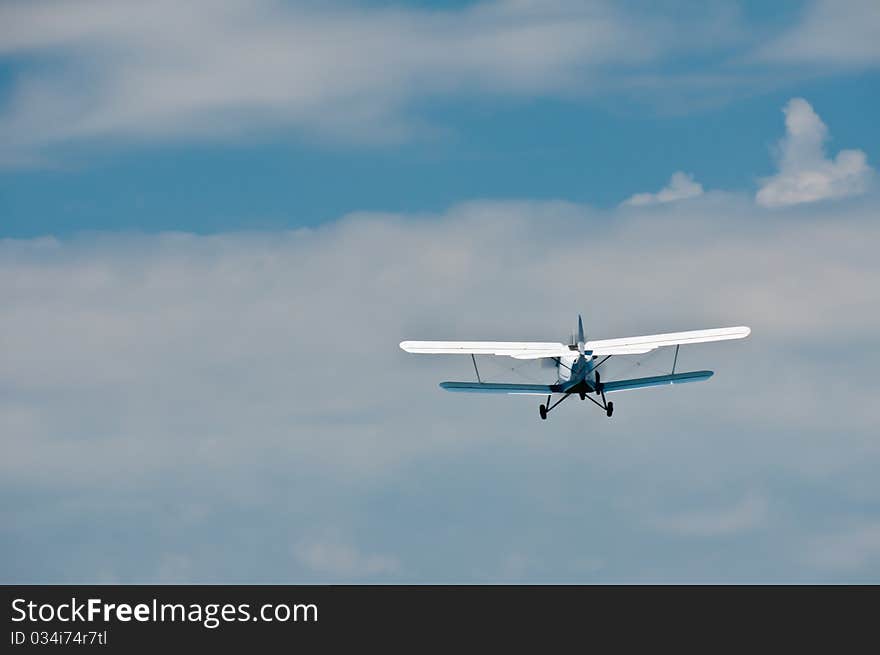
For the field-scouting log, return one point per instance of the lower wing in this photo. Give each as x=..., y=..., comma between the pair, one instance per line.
x=498, y=387
x=547, y=389
x=656, y=381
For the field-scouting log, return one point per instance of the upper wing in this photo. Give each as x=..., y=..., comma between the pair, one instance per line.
x=541, y=349
x=518, y=349
x=640, y=345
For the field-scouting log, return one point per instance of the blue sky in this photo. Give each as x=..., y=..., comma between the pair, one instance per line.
x=543, y=149
x=195, y=389
x=592, y=145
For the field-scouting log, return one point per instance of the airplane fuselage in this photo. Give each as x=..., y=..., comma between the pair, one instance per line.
x=577, y=371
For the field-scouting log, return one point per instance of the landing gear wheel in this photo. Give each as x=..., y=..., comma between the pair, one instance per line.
x=583, y=395
x=542, y=410
x=609, y=409
x=598, y=383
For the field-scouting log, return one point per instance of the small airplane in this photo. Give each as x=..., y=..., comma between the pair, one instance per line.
x=576, y=363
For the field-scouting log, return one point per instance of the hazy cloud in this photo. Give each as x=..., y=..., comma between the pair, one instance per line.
x=851, y=549
x=216, y=69
x=337, y=560
x=805, y=173
x=830, y=33
x=681, y=186
x=745, y=515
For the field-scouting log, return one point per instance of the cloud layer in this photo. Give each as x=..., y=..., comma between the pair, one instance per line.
x=805, y=174
x=235, y=407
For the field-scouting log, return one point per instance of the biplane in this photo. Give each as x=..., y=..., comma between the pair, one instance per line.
x=577, y=363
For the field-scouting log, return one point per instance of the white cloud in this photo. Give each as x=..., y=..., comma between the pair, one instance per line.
x=681, y=186
x=129, y=344
x=113, y=68
x=805, y=174
x=335, y=560
x=208, y=395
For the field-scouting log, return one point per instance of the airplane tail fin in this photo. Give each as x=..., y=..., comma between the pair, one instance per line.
x=581, y=339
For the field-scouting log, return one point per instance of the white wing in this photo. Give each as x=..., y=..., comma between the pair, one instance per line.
x=640, y=345
x=541, y=349
x=517, y=349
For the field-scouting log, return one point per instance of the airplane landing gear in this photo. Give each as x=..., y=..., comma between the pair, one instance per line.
x=544, y=409
x=609, y=409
